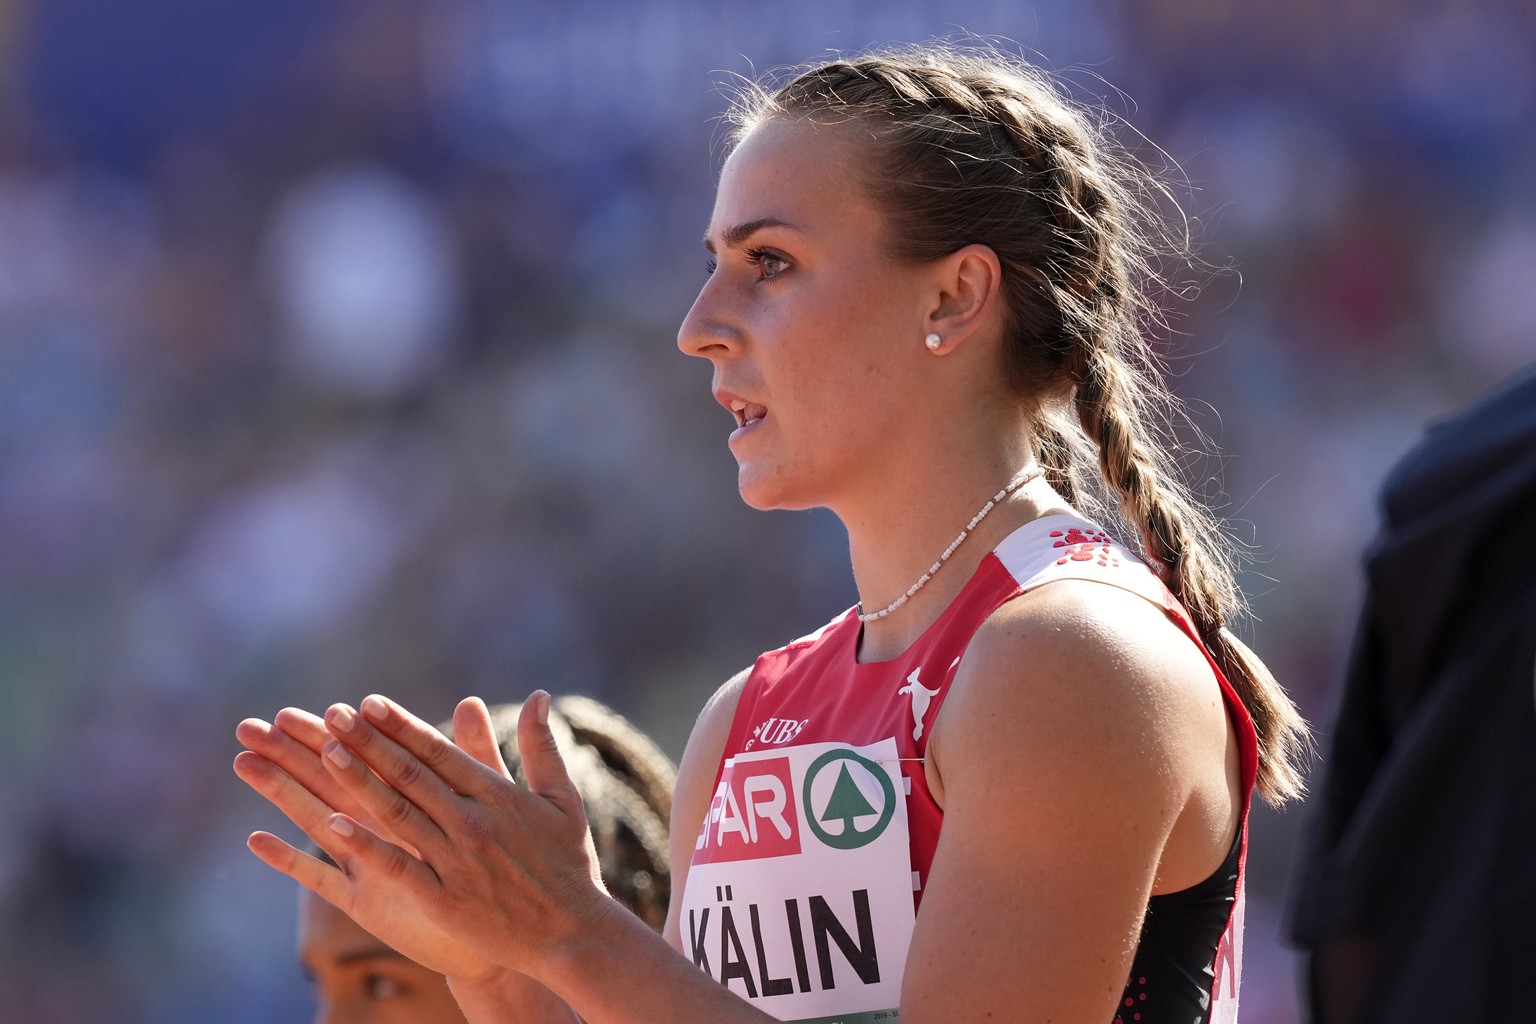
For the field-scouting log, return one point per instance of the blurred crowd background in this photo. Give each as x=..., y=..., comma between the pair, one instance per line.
x=337, y=355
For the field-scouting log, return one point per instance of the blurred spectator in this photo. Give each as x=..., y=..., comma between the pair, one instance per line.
x=1417, y=886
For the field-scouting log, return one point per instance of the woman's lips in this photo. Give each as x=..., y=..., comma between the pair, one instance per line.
x=749, y=416
x=745, y=429
x=747, y=413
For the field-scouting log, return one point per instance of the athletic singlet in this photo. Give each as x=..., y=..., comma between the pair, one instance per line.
x=808, y=871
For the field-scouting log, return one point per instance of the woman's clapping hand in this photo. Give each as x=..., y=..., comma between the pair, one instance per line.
x=441, y=855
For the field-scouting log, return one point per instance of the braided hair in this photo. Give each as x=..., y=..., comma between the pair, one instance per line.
x=625, y=782
x=974, y=146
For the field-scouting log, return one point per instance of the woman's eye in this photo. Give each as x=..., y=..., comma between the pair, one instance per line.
x=768, y=264
x=709, y=266
x=382, y=986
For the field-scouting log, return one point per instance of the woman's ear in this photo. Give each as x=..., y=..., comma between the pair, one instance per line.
x=967, y=283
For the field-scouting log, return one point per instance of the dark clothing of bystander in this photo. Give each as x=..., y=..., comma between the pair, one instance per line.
x=1417, y=888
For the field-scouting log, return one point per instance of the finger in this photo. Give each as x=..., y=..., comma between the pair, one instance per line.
x=393, y=799
x=366, y=852
x=308, y=729
x=543, y=766
x=301, y=806
x=389, y=728
x=324, y=880
x=293, y=743
x=475, y=734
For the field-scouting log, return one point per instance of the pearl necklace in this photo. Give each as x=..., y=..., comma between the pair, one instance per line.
x=1024, y=477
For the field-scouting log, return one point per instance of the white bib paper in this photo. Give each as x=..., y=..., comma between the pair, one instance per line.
x=799, y=897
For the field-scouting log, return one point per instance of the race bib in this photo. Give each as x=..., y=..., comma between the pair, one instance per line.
x=799, y=896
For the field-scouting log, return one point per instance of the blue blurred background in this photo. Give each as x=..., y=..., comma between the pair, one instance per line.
x=336, y=355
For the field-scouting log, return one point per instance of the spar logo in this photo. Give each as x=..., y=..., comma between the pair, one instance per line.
x=850, y=799
x=752, y=814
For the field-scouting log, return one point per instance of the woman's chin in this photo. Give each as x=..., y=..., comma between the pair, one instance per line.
x=763, y=489
x=754, y=493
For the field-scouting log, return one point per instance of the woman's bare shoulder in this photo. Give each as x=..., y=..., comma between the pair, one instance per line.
x=1086, y=646
x=1062, y=756
x=706, y=744
x=1088, y=685
x=720, y=709
x=695, y=784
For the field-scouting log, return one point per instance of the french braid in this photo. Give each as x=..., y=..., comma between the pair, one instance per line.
x=977, y=147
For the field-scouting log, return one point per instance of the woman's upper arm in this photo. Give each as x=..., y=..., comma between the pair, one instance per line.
x=695, y=788
x=1058, y=751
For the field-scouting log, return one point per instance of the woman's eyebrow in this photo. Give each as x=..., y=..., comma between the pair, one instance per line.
x=735, y=236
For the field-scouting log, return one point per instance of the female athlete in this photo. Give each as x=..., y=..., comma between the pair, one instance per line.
x=1012, y=783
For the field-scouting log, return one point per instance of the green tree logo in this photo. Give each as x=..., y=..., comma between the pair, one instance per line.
x=847, y=801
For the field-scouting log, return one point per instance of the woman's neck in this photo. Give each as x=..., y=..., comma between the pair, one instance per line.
x=899, y=537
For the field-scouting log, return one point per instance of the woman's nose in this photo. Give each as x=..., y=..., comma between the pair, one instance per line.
x=708, y=331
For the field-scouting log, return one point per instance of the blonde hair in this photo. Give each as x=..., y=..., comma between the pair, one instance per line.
x=974, y=146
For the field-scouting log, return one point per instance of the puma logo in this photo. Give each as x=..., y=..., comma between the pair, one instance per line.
x=921, y=697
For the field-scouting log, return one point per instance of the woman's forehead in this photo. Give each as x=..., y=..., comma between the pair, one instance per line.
x=791, y=170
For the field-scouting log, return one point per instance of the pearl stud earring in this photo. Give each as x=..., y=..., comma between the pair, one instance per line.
x=933, y=341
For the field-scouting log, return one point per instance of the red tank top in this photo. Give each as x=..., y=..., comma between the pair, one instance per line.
x=809, y=868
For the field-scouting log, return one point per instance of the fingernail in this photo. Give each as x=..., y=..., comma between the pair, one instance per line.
x=375, y=708
x=338, y=754
x=340, y=825
x=341, y=717
x=541, y=709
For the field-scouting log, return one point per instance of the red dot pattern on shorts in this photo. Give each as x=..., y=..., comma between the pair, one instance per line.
x=1085, y=546
x=1132, y=997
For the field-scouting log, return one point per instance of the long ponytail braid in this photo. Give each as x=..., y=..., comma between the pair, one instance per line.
x=978, y=147
x=1184, y=544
